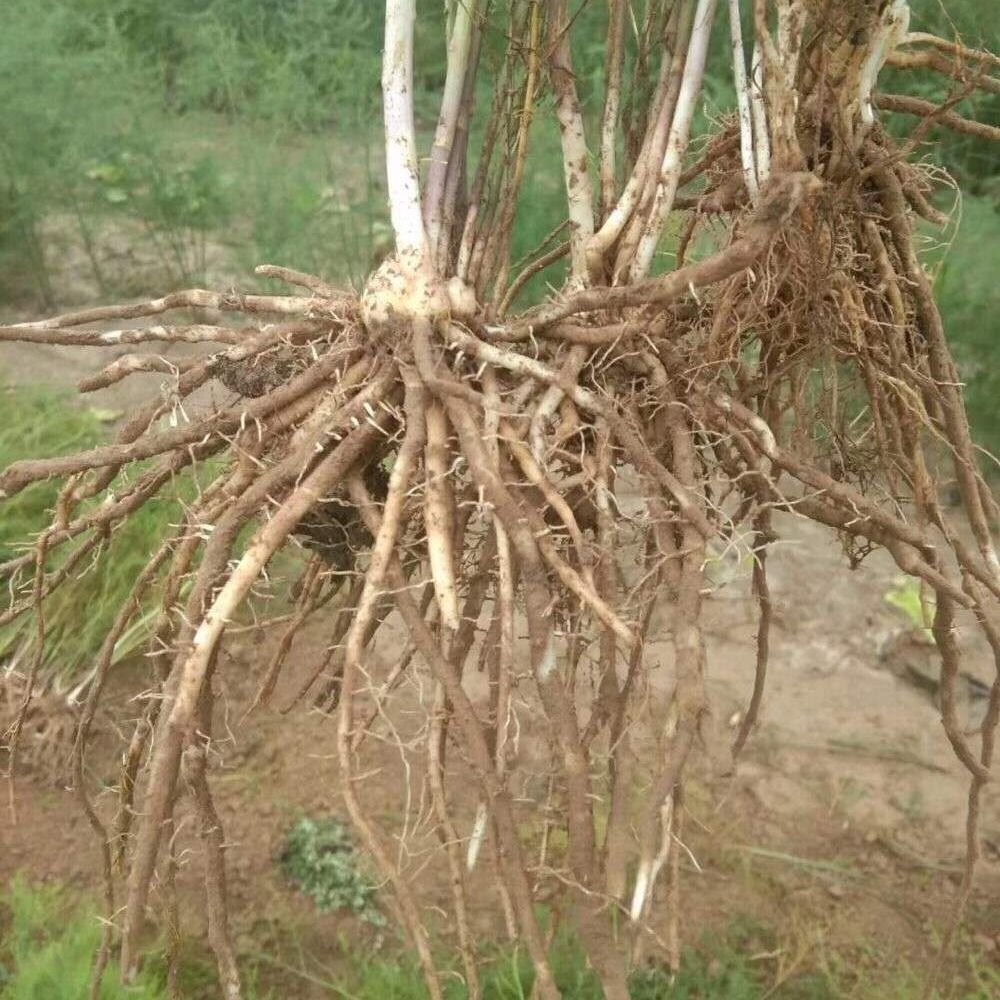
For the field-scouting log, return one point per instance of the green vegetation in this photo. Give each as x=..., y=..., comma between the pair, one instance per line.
x=719, y=968
x=321, y=860
x=906, y=597
x=147, y=145
x=49, y=942
x=144, y=145
x=48, y=949
x=969, y=297
x=39, y=423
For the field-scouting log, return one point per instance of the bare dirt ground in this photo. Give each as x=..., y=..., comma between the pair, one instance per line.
x=843, y=827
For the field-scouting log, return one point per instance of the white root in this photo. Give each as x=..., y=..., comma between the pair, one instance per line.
x=550, y=401
x=439, y=520
x=640, y=890
x=651, y=865
x=537, y=477
x=267, y=541
x=505, y=601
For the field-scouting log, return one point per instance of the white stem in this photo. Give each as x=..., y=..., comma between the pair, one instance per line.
x=622, y=211
x=639, y=892
x=400, y=135
x=477, y=836
x=659, y=125
x=680, y=132
x=459, y=46
x=791, y=22
x=890, y=32
x=612, y=100
x=762, y=139
x=666, y=841
x=576, y=159
x=743, y=101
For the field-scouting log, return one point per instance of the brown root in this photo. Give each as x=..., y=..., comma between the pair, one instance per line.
x=560, y=471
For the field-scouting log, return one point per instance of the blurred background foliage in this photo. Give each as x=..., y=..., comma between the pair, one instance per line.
x=146, y=145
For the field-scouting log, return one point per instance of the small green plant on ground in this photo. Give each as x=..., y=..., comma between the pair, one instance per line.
x=322, y=862
x=905, y=596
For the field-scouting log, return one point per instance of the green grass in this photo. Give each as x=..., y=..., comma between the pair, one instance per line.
x=968, y=295
x=177, y=129
x=716, y=970
x=40, y=423
x=738, y=963
x=48, y=938
x=48, y=946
